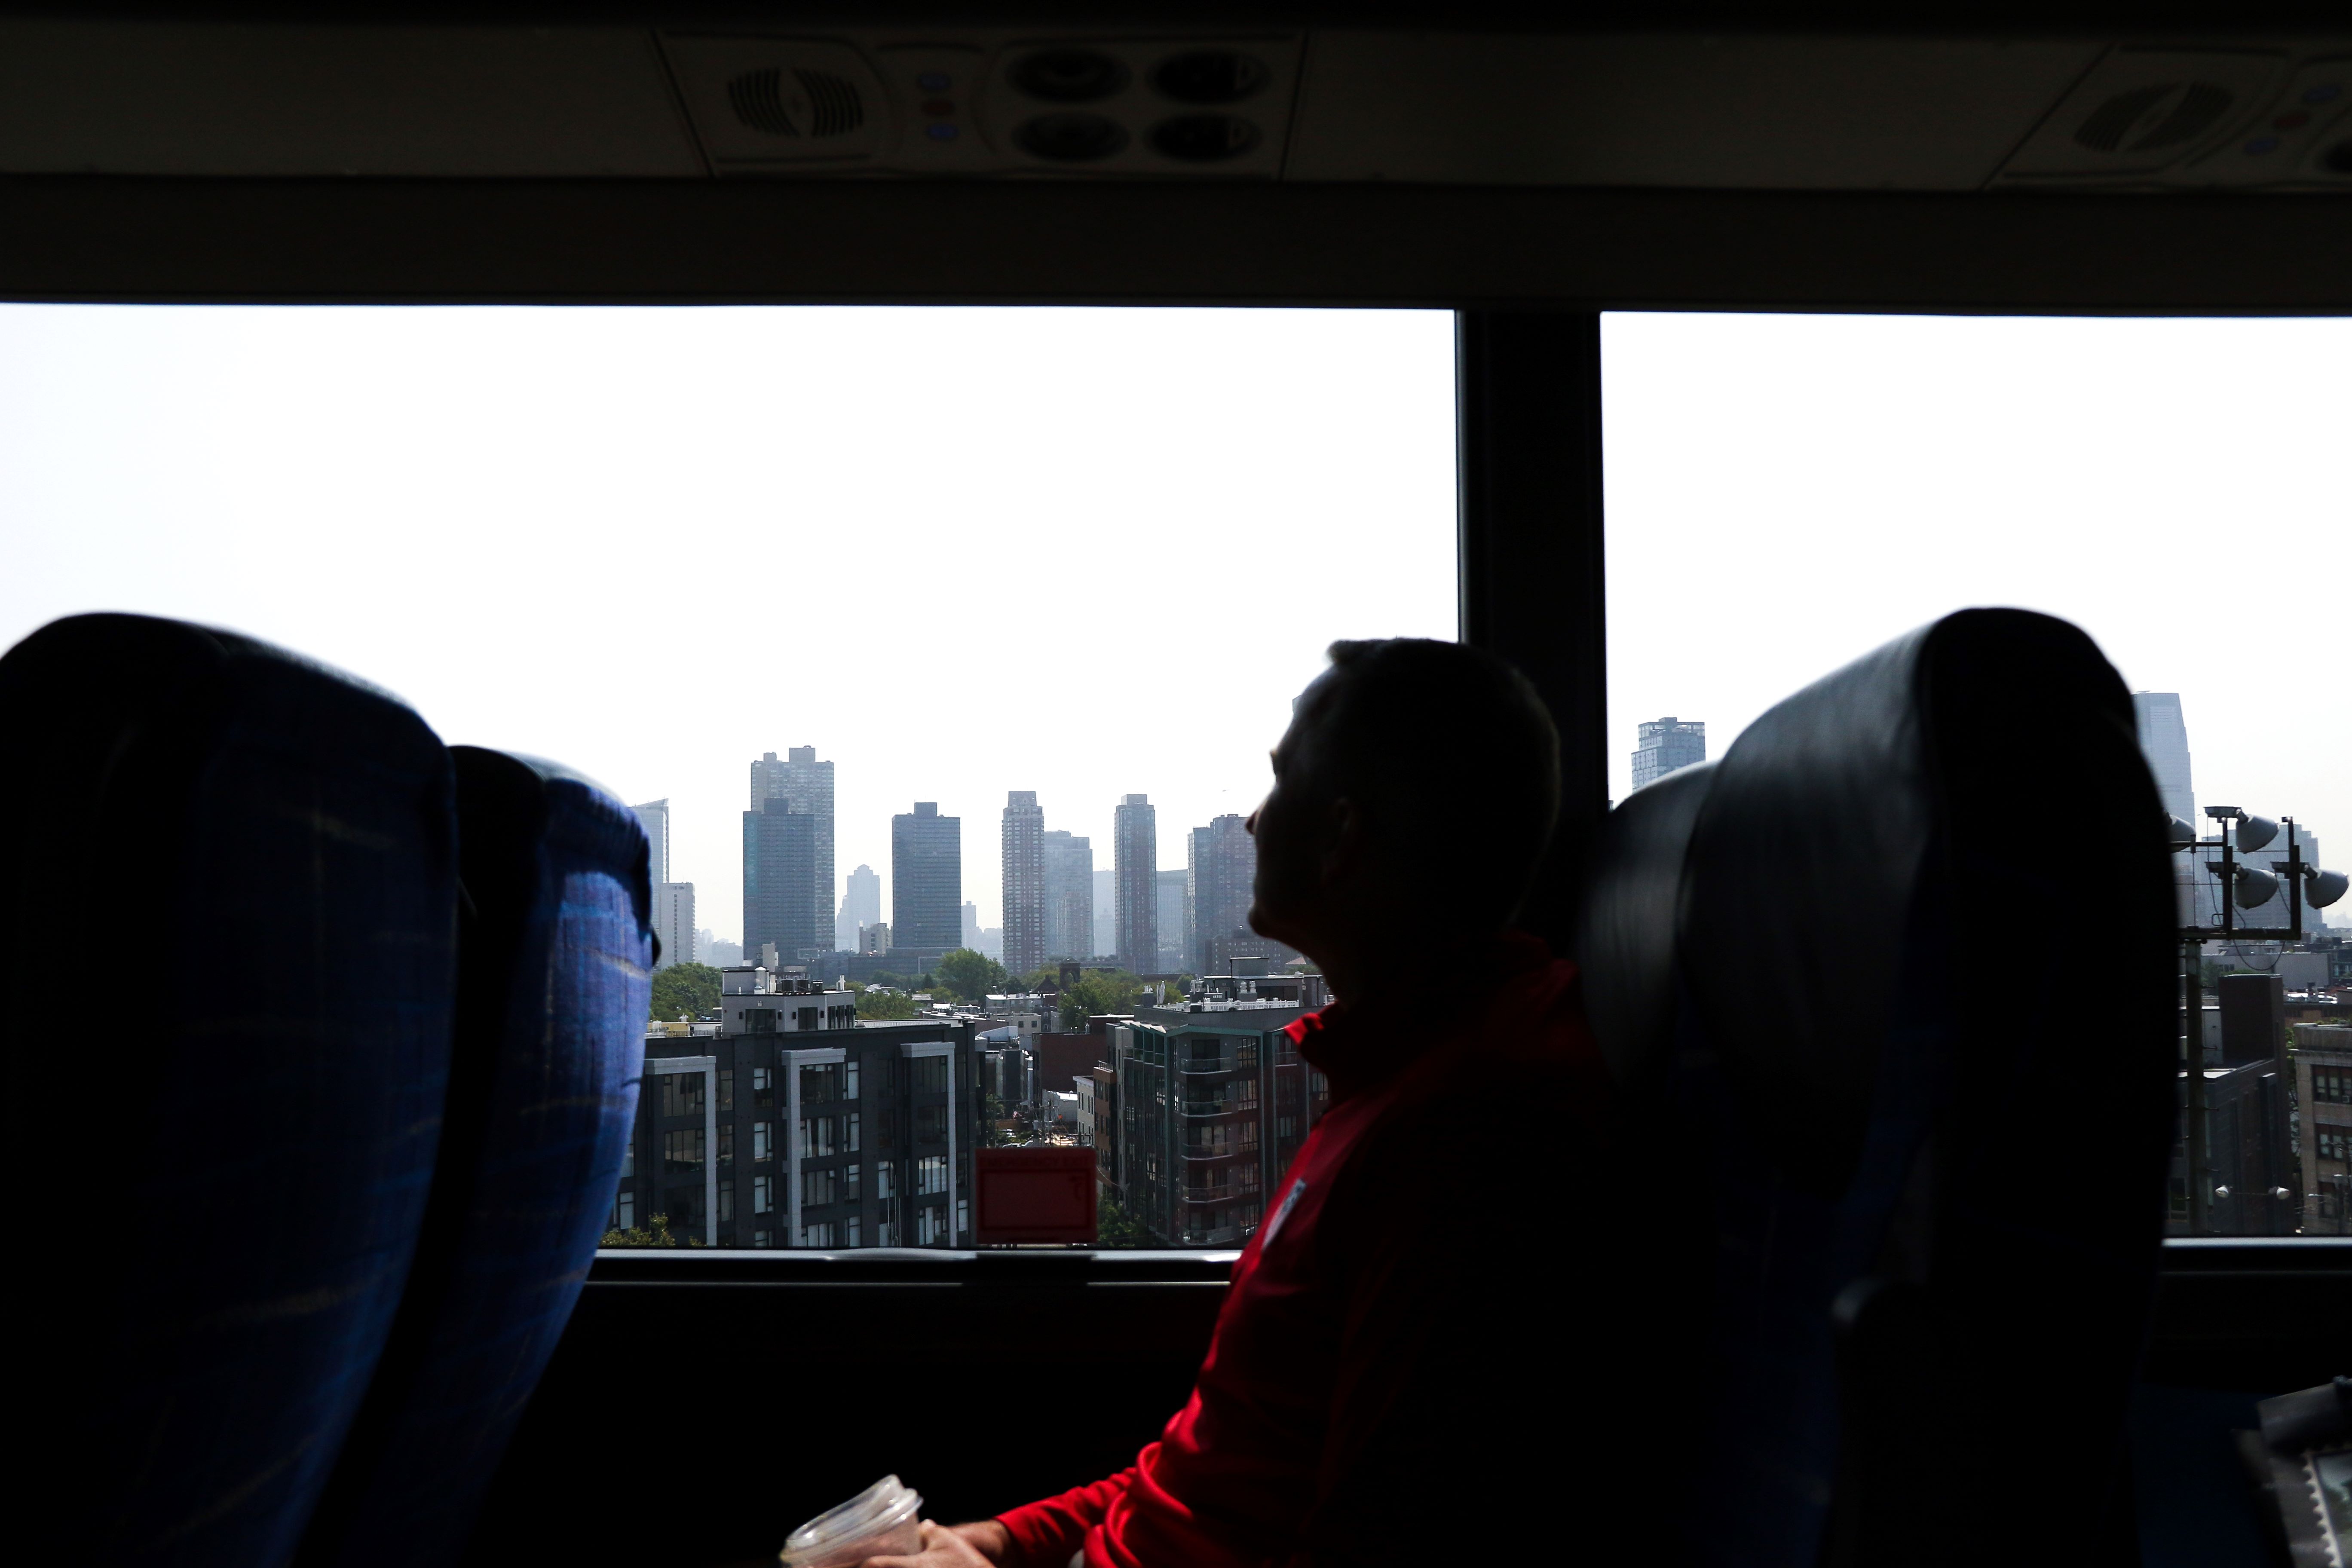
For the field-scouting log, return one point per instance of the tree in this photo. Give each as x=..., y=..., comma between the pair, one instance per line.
x=688, y=988
x=1100, y=991
x=1115, y=1228
x=970, y=975
x=656, y=1232
x=877, y=1003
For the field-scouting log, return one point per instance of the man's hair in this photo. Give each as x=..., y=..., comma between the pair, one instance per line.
x=1452, y=757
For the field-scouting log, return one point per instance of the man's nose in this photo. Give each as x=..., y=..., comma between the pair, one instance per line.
x=1250, y=826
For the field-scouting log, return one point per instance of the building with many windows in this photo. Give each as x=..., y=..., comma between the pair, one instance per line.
x=861, y=906
x=673, y=923
x=2323, y=1089
x=1174, y=919
x=1106, y=913
x=1134, y=849
x=1221, y=871
x=780, y=889
x=2164, y=741
x=1205, y=1104
x=807, y=786
x=1666, y=745
x=1069, y=861
x=1024, y=837
x=654, y=817
x=927, y=879
x=1220, y=864
x=790, y=1124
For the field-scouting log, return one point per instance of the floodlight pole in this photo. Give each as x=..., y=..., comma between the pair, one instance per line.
x=2192, y=970
x=2199, y=1174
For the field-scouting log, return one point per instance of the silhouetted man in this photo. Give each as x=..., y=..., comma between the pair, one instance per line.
x=1403, y=1368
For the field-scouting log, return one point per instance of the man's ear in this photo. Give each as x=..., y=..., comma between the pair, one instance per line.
x=1346, y=840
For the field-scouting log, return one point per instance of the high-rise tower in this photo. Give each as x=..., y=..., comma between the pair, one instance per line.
x=1666, y=745
x=927, y=879
x=1024, y=882
x=673, y=923
x=2164, y=741
x=1106, y=912
x=1221, y=863
x=1069, y=896
x=655, y=817
x=779, y=897
x=861, y=905
x=1135, y=840
x=806, y=784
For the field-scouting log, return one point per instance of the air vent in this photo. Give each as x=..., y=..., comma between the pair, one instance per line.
x=2151, y=118
x=765, y=104
x=1139, y=105
x=823, y=105
x=1204, y=138
x=2139, y=114
x=759, y=101
x=836, y=111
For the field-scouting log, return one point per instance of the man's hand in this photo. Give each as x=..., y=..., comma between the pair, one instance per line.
x=976, y=1545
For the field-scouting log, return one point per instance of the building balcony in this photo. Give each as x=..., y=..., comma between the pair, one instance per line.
x=1208, y=1153
x=1205, y=1065
x=1217, y=1195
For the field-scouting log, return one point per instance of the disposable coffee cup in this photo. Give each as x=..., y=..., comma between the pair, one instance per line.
x=885, y=1519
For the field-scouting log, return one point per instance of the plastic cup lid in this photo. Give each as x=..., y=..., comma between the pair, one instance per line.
x=878, y=1508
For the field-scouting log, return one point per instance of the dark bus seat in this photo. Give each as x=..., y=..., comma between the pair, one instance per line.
x=555, y=955
x=1930, y=1173
x=222, y=1191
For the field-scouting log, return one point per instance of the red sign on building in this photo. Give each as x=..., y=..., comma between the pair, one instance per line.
x=1036, y=1196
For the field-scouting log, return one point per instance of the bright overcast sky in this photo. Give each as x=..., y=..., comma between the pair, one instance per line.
x=1096, y=551
x=1785, y=492
x=960, y=551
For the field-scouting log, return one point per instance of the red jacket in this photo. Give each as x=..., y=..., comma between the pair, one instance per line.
x=1374, y=1346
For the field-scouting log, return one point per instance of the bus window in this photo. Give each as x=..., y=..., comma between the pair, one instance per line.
x=1787, y=492
x=940, y=652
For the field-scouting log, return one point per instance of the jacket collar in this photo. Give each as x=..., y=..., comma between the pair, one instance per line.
x=1364, y=1044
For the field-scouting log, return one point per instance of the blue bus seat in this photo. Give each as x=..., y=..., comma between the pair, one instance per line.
x=1931, y=1172
x=225, y=1155
x=554, y=975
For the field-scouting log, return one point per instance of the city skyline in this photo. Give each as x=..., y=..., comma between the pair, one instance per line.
x=1863, y=476
x=1219, y=858
x=247, y=468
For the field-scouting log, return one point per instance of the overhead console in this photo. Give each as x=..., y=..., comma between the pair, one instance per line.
x=1680, y=111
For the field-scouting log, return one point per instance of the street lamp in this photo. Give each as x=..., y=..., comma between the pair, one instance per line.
x=2242, y=886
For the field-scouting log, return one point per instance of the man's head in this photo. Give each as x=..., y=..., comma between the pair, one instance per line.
x=1417, y=784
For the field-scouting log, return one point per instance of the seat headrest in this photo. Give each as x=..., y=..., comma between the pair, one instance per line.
x=1630, y=920
x=1810, y=843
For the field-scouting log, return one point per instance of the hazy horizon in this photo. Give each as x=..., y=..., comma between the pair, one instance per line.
x=1095, y=551
x=1088, y=552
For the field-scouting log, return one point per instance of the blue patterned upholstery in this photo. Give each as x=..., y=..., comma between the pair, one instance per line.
x=1930, y=1171
x=556, y=956
x=230, y=907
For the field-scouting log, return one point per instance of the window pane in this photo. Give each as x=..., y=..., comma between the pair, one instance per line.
x=1286, y=476
x=1786, y=493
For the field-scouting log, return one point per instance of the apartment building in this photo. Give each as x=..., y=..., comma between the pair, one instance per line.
x=790, y=1123
x=1207, y=1103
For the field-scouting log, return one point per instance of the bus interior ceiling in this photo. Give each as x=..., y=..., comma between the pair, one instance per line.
x=1528, y=173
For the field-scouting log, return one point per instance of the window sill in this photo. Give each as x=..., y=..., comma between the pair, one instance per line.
x=921, y=1267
